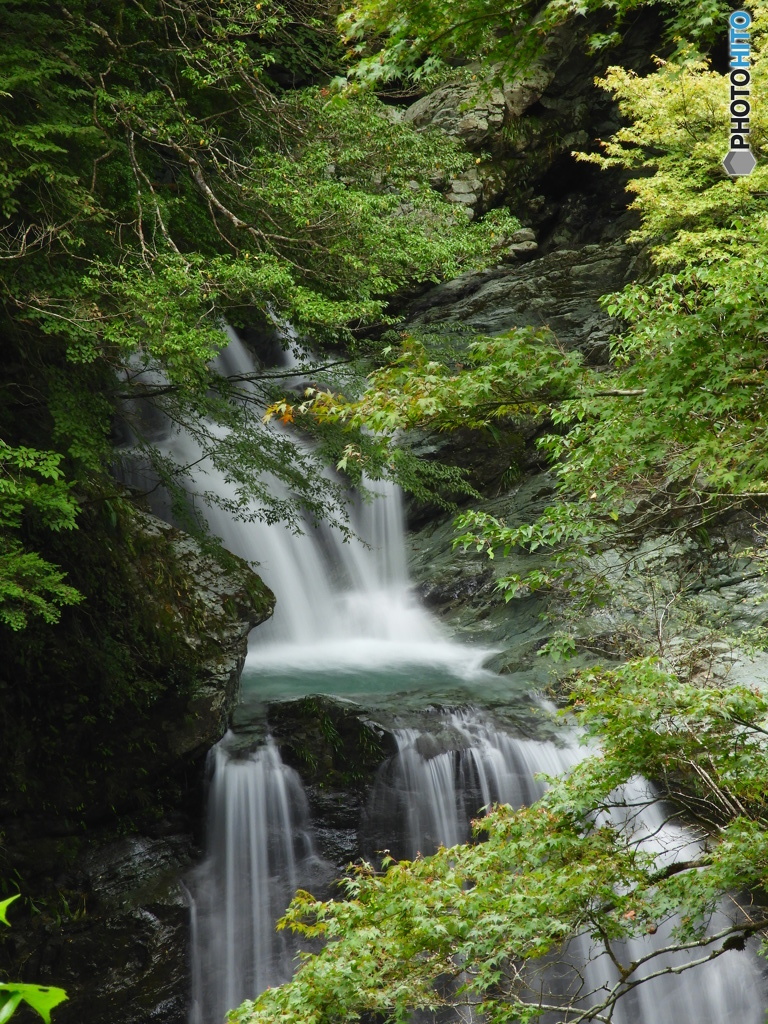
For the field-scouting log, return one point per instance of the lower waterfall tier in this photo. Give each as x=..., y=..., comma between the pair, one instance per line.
x=444, y=767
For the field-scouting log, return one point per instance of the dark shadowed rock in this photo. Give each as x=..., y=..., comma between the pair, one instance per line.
x=336, y=748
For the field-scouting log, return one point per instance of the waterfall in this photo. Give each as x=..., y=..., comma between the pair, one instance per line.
x=259, y=851
x=426, y=795
x=344, y=610
x=341, y=599
x=342, y=602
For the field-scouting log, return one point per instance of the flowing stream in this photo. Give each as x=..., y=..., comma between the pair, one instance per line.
x=347, y=625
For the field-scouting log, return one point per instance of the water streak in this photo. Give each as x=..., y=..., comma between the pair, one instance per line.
x=259, y=850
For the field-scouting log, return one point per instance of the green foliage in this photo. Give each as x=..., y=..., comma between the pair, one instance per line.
x=708, y=739
x=32, y=486
x=163, y=170
x=474, y=924
x=160, y=178
x=421, y=40
x=681, y=413
x=690, y=371
x=567, y=530
x=426, y=382
x=518, y=373
x=679, y=417
x=4, y=904
x=41, y=998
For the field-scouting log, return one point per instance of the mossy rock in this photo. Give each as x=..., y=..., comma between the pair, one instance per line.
x=109, y=708
x=330, y=741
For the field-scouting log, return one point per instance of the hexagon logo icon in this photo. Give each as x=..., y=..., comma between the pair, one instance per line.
x=739, y=162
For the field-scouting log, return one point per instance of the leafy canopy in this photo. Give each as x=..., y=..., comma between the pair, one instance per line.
x=164, y=169
x=158, y=179
x=422, y=40
x=516, y=374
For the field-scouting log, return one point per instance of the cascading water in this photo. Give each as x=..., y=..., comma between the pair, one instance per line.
x=341, y=599
x=346, y=624
x=441, y=778
x=259, y=851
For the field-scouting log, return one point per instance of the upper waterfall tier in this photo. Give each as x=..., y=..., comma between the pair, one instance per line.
x=342, y=599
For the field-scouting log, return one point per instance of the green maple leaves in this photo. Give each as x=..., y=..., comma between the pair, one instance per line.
x=42, y=998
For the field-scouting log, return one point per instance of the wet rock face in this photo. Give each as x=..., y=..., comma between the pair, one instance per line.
x=229, y=602
x=559, y=291
x=134, y=687
x=337, y=749
x=672, y=591
x=125, y=958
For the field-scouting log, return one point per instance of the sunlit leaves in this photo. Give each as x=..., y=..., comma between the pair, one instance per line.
x=32, y=490
x=693, y=355
x=4, y=904
x=41, y=998
x=515, y=374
